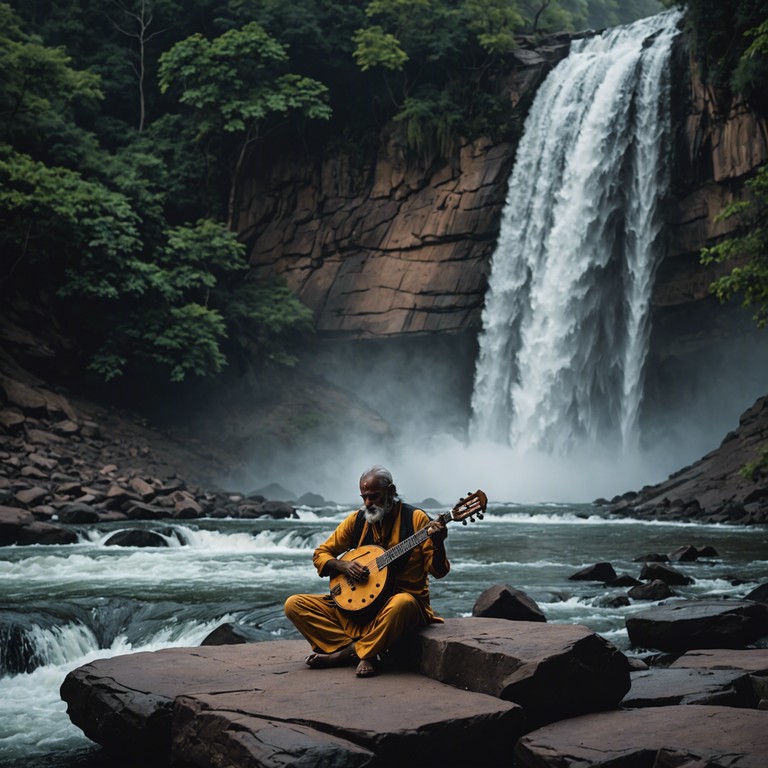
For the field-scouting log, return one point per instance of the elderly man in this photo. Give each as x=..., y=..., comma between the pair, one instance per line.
x=341, y=638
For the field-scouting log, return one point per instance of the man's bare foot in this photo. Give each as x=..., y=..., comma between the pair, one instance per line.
x=366, y=668
x=342, y=657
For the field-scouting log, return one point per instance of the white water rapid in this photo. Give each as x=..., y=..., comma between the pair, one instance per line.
x=566, y=320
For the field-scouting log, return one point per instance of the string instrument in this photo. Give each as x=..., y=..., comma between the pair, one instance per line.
x=365, y=597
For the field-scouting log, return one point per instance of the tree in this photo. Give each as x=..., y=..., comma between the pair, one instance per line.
x=747, y=250
x=139, y=21
x=234, y=85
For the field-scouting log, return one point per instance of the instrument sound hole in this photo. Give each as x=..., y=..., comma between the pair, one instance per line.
x=371, y=596
x=362, y=600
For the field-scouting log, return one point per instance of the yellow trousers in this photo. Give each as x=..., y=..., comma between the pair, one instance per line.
x=328, y=629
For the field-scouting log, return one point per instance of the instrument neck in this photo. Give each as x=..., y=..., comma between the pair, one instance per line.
x=382, y=561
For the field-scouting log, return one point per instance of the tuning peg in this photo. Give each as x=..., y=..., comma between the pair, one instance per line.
x=463, y=522
x=480, y=515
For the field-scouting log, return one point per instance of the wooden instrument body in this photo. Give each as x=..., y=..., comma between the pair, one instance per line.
x=363, y=596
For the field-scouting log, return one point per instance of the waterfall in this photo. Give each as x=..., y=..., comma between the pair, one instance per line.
x=566, y=318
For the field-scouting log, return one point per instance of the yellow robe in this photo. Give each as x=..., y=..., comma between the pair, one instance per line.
x=328, y=629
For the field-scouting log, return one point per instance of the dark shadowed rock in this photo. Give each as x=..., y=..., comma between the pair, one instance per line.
x=235, y=634
x=654, y=590
x=624, y=580
x=759, y=594
x=690, y=624
x=242, y=705
x=665, y=573
x=45, y=533
x=651, y=557
x=551, y=670
x=19, y=526
x=685, y=554
x=279, y=510
x=598, y=572
x=11, y=520
x=136, y=537
x=77, y=513
x=504, y=602
x=662, y=687
x=644, y=738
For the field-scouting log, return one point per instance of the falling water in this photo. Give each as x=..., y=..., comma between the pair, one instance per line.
x=566, y=320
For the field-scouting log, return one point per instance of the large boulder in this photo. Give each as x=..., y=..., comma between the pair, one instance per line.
x=504, y=602
x=259, y=705
x=660, y=687
x=690, y=624
x=551, y=670
x=699, y=736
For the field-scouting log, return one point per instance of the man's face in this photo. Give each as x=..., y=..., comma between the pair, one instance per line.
x=377, y=499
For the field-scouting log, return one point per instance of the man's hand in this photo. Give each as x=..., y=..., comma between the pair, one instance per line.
x=438, y=532
x=351, y=569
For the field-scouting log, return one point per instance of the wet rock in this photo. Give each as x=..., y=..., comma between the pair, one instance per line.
x=665, y=573
x=77, y=512
x=135, y=537
x=239, y=705
x=654, y=590
x=551, y=670
x=693, y=624
x=655, y=736
x=11, y=520
x=662, y=687
x=232, y=633
x=598, y=572
x=684, y=554
x=504, y=602
x=137, y=510
x=759, y=594
x=45, y=533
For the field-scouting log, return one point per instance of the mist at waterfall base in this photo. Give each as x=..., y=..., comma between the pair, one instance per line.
x=550, y=403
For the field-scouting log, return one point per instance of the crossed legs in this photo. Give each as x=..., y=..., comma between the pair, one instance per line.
x=336, y=640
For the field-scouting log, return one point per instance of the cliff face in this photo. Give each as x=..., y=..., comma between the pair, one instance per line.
x=393, y=255
x=384, y=246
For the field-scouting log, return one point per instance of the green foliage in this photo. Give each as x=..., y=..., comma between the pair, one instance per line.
x=753, y=470
x=747, y=250
x=234, y=84
x=376, y=48
x=721, y=34
x=230, y=82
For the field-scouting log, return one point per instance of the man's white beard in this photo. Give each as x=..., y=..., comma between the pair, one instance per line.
x=375, y=514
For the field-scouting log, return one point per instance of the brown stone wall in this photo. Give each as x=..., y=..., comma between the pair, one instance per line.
x=386, y=245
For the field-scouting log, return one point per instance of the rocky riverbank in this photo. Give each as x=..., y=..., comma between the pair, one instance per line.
x=715, y=489
x=479, y=691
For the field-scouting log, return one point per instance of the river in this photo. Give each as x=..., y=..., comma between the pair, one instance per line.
x=63, y=606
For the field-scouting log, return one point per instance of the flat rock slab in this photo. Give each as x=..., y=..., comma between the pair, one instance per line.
x=748, y=660
x=642, y=738
x=692, y=624
x=660, y=687
x=552, y=670
x=258, y=704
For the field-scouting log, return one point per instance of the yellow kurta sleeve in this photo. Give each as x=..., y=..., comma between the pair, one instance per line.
x=336, y=544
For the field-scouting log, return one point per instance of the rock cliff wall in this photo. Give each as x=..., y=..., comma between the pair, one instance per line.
x=392, y=254
x=385, y=245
